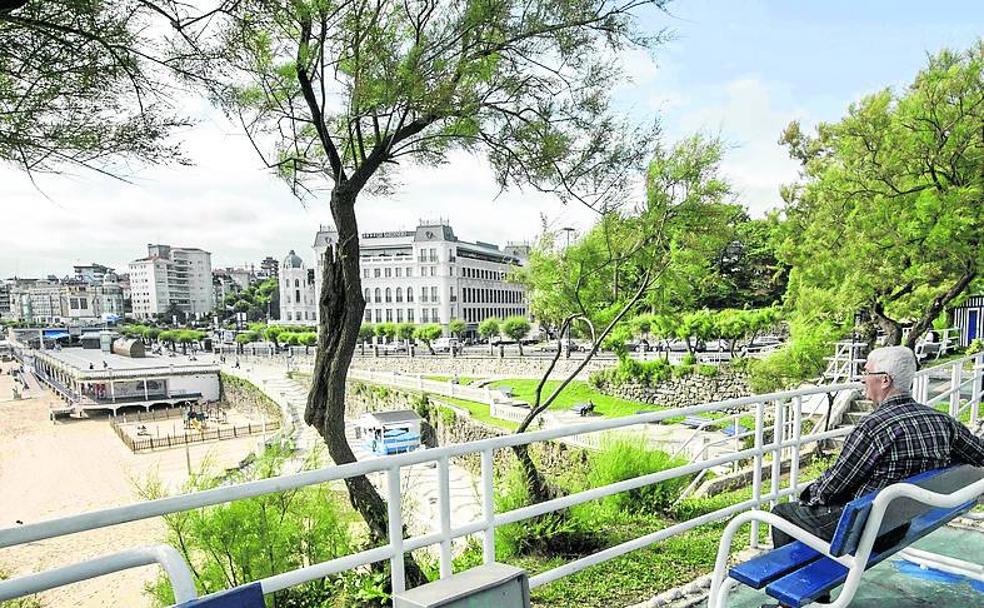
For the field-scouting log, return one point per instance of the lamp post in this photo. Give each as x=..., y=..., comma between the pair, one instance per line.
x=568, y=230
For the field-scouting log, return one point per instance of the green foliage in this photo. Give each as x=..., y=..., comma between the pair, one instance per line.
x=516, y=327
x=247, y=336
x=405, y=330
x=888, y=218
x=366, y=331
x=623, y=458
x=976, y=346
x=803, y=357
x=309, y=339
x=457, y=327
x=489, y=328
x=688, y=359
x=257, y=537
x=428, y=333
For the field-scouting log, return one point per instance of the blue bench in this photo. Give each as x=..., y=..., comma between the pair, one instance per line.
x=797, y=574
x=247, y=596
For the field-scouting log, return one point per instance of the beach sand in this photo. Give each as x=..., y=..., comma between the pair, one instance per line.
x=50, y=470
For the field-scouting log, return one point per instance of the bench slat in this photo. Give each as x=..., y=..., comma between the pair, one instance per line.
x=247, y=596
x=762, y=570
x=810, y=582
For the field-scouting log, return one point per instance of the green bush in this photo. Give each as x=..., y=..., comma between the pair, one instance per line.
x=683, y=370
x=550, y=534
x=707, y=370
x=624, y=458
x=802, y=358
x=688, y=359
x=975, y=347
x=29, y=601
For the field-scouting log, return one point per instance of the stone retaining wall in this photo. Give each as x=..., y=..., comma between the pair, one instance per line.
x=515, y=367
x=688, y=390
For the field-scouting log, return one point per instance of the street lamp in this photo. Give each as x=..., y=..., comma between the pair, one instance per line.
x=568, y=230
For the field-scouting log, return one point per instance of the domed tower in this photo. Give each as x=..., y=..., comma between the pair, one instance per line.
x=296, y=292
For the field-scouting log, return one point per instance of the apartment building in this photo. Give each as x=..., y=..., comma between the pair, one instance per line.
x=172, y=276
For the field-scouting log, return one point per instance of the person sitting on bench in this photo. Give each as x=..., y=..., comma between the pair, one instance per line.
x=898, y=440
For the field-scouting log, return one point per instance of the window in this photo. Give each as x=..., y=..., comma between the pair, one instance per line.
x=297, y=283
x=425, y=315
x=434, y=315
x=297, y=296
x=389, y=315
x=365, y=294
x=387, y=272
x=434, y=294
x=399, y=271
x=409, y=315
x=379, y=315
x=368, y=315
x=365, y=273
x=432, y=269
x=378, y=295
x=453, y=299
x=389, y=295
x=433, y=255
x=288, y=317
x=399, y=294
x=399, y=315
x=423, y=294
x=409, y=271
x=375, y=273
x=409, y=294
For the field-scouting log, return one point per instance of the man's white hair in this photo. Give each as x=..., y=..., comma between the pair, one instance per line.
x=899, y=362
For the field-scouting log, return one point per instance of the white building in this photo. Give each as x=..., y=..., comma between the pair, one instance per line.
x=177, y=276
x=426, y=275
x=72, y=301
x=298, y=303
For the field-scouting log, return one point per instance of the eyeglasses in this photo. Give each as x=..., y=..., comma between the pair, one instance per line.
x=865, y=373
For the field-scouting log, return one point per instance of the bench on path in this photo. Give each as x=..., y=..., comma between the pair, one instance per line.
x=734, y=429
x=806, y=569
x=697, y=421
x=506, y=391
x=585, y=408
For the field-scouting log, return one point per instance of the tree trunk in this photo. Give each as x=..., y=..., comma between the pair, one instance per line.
x=891, y=327
x=341, y=308
x=936, y=307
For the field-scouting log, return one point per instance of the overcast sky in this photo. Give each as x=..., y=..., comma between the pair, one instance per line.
x=739, y=69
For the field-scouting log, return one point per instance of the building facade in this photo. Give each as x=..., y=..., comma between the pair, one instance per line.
x=4, y=300
x=177, y=277
x=71, y=301
x=426, y=275
x=298, y=304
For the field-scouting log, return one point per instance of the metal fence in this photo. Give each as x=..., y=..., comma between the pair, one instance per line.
x=782, y=413
x=173, y=440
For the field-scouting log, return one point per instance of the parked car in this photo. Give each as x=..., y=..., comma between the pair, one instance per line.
x=444, y=345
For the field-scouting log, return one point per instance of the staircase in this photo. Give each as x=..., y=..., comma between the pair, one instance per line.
x=856, y=412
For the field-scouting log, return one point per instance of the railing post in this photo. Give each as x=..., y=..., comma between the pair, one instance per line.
x=444, y=498
x=797, y=437
x=975, y=395
x=395, y=529
x=488, y=507
x=757, y=472
x=955, y=387
x=778, y=433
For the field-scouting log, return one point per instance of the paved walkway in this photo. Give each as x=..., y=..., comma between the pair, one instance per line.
x=419, y=483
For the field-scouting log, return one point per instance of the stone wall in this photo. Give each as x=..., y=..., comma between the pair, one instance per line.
x=687, y=390
x=448, y=425
x=482, y=367
x=246, y=397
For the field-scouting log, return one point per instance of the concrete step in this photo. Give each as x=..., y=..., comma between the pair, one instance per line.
x=862, y=405
x=855, y=417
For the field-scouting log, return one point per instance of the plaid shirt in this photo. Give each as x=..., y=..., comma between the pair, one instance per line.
x=898, y=440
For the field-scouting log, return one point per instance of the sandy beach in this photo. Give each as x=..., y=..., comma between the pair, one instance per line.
x=50, y=469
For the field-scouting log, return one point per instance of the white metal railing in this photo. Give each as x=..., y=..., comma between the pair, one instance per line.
x=781, y=411
x=845, y=364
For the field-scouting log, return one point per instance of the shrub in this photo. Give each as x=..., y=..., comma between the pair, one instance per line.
x=688, y=359
x=624, y=458
x=683, y=370
x=975, y=347
x=550, y=534
x=707, y=370
x=802, y=358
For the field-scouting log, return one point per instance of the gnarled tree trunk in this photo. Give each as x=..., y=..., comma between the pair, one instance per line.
x=341, y=307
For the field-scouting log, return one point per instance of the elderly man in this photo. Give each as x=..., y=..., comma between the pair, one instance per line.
x=899, y=439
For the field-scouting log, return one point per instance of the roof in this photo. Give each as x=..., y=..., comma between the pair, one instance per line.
x=293, y=260
x=395, y=416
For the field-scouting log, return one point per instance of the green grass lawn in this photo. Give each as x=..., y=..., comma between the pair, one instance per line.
x=577, y=391
x=478, y=411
